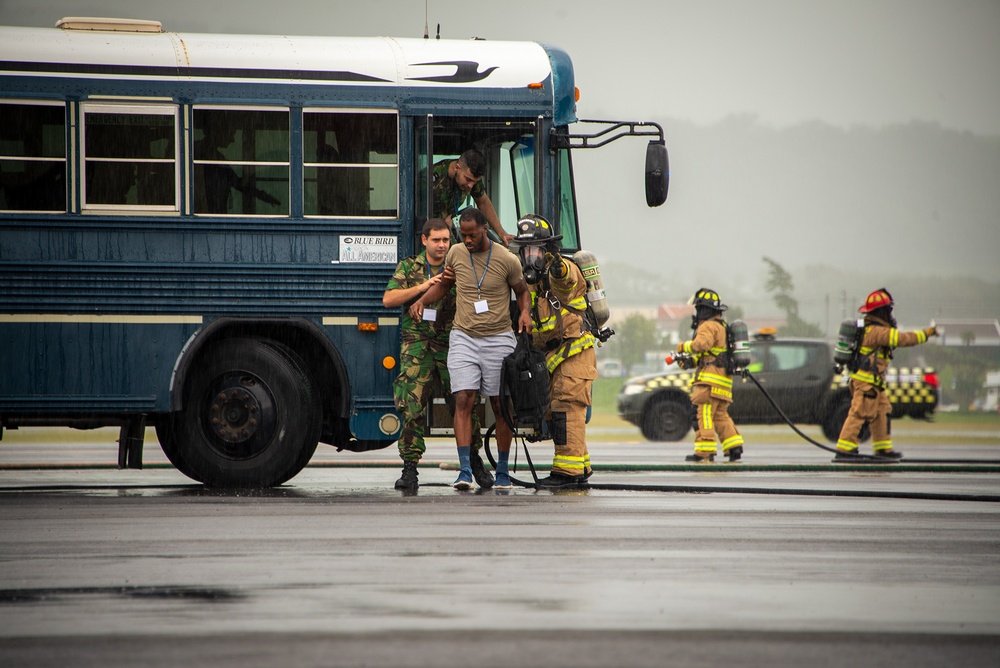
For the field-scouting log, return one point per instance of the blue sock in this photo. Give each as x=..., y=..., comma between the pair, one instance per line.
x=464, y=458
x=502, y=463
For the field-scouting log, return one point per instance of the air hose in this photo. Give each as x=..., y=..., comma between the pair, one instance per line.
x=868, y=459
x=697, y=489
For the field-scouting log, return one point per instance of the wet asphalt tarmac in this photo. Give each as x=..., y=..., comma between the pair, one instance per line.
x=783, y=561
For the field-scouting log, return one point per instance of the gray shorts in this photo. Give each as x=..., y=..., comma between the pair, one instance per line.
x=474, y=363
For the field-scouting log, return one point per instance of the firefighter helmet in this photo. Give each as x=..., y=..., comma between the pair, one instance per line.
x=533, y=229
x=708, y=298
x=876, y=300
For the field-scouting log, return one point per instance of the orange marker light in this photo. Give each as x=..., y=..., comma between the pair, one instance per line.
x=367, y=326
x=535, y=86
x=389, y=362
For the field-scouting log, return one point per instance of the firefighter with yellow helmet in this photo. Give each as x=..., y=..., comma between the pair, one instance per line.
x=558, y=308
x=712, y=385
x=869, y=403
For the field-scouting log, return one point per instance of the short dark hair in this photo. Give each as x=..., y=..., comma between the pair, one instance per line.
x=475, y=161
x=434, y=224
x=474, y=214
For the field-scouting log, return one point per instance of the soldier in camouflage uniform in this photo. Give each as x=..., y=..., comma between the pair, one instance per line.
x=454, y=181
x=423, y=357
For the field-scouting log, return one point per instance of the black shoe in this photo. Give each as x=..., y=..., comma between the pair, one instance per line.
x=734, y=454
x=483, y=477
x=846, y=456
x=707, y=459
x=584, y=480
x=889, y=454
x=557, y=480
x=409, y=478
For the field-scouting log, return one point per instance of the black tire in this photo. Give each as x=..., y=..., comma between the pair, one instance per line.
x=835, y=421
x=166, y=434
x=666, y=419
x=251, y=416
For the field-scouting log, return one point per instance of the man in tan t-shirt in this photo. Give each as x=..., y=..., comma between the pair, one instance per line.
x=483, y=274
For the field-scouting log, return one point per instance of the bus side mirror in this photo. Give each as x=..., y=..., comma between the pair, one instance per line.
x=657, y=173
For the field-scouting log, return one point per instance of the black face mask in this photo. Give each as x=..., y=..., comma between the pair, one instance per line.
x=533, y=261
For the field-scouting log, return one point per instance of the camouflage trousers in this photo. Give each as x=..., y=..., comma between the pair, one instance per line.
x=423, y=374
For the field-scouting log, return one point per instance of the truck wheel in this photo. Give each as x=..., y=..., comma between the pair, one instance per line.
x=251, y=416
x=666, y=419
x=835, y=422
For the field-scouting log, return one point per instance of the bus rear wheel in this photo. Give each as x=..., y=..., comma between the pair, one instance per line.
x=251, y=416
x=166, y=434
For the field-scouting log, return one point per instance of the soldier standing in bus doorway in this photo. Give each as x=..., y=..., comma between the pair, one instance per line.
x=712, y=385
x=456, y=180
x=423, y=356
x=558, y=307
x=869, y=404
x=483, y=273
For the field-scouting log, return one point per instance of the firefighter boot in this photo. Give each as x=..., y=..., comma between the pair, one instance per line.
x=734, y=454
x=408, y=481
x=556, y=480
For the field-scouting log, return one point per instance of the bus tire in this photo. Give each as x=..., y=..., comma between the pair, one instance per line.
x=251, y=416
x=666, y=419
x=166, y=434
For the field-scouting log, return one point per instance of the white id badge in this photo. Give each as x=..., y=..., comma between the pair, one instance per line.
x=430, y=314
x=481, y=306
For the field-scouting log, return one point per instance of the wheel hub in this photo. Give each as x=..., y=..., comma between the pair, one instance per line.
x=241, y=416
x=234, y=414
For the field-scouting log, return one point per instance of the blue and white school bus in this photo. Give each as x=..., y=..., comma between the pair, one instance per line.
x=196, y=230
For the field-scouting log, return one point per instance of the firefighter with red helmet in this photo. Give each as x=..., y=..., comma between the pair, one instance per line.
x=558, y=308
x=712, y=385
x=869, y=404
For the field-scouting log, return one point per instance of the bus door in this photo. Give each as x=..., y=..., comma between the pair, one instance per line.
x=519, y=179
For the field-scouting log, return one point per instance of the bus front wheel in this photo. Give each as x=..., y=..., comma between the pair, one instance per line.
x=251, y=416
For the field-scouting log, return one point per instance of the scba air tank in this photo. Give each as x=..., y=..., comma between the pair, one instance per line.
x=596, y=298
x=740, y=343
x=847, y=341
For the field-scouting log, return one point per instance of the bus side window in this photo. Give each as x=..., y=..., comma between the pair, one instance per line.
x=32, y=157
x=130, y=156
x=241, y=161
x=351, y=163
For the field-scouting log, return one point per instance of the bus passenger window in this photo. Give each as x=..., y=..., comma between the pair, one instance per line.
x=351, y=163
x=32, y=157
x=130, y=156
x=241, y=162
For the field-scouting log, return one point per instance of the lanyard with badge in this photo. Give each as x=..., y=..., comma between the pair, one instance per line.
x=431, y=314
x=481, y=305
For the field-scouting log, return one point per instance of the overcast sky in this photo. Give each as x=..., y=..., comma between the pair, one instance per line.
x=849, y=63
x=867, y=62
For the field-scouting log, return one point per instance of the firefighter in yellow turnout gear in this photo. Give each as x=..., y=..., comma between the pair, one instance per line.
x=869, y=404
x=558, y=308
x=712, y=386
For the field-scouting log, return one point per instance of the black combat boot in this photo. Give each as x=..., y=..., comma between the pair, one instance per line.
x=409, y=478
x=483, y=477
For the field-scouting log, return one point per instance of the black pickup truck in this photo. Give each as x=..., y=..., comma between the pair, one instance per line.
x=799, y=376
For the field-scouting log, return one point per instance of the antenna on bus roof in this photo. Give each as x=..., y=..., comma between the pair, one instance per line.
x=425, y=20
x=439, y=31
